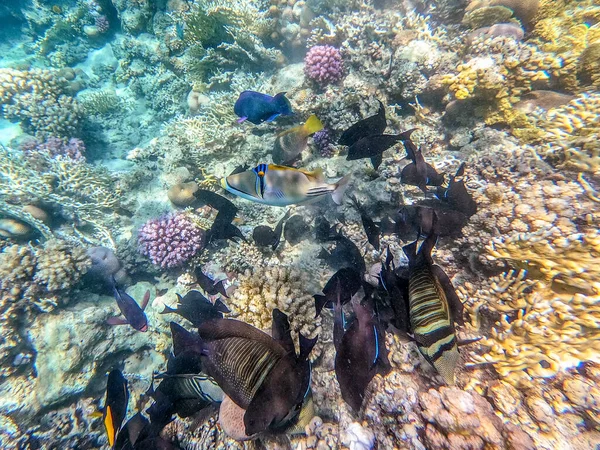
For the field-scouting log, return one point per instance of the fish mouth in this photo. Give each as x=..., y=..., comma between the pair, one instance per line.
x=144, y=328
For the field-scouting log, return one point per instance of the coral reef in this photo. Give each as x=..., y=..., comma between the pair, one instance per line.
x=263, y=289
x=53, y=148
x=323, y=65
x=39, y=99
x=323, y=142
x=171, y=240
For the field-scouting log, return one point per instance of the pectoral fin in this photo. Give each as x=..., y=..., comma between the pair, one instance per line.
x=117, y=320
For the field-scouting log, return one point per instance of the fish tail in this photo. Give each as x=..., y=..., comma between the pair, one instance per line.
x=340, y=189
x=312, y=125
x=320, y=302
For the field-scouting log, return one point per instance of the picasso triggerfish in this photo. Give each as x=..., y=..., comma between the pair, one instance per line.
x=281, y=185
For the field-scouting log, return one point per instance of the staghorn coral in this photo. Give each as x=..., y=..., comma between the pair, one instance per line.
x=38, y=98
x=570, y=134
x=263, y=289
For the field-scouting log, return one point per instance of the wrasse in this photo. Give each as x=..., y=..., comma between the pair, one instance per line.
x=433, y=309
x=281, y=185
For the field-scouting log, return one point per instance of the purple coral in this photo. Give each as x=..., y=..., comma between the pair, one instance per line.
x=56, y=148
x=171, y=240
x=323, y=64
x=322, y=140
x=102, y=23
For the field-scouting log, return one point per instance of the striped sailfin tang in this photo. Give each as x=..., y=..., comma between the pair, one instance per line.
x=198, y=386
x=431, y=323
x=245, y=363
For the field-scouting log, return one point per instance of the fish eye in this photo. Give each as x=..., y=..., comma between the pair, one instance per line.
x=261, y=174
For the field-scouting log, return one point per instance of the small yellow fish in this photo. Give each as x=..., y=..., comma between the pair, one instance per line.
x=290, y=143
x=281, y=185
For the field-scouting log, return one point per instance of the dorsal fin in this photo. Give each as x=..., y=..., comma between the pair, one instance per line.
x=316, y=174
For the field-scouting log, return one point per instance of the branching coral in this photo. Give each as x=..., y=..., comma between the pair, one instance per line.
x=571, y=134
x=38, y=99
x=540, y=332
x=79, y=191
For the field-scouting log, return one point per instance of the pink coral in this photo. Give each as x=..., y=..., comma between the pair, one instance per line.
x=323, y=64
x=55, y=148
x=171, y=240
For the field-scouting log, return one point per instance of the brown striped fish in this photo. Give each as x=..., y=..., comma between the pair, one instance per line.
x=434, y=307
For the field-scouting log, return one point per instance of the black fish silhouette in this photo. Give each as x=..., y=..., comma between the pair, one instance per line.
x=344, y=284
x=373, y=146
x=196, y=308
x=134, y=429
x=371, y=229
x=208, y=284
x=344, y=254
x=222, y=228
x=370, y=126
x=360, y=352
x=434, y=308
x=132, y=313
x=418, y=172
x=264, y=235
x=296, y=229
x=323, y=230
x=456, y=194
x=256, y=372
x=115, y=404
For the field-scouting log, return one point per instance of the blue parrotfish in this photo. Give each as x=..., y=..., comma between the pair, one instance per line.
x=258, y=108
x=281, y=185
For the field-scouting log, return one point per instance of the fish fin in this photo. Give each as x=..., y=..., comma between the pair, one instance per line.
x=280, y=331
x=320, y=302
x=430, y=241
x=433, y=177
x=461, y=171
x=145, y=300
x=410, y=250
x=273, y=117
x=316, y=174
x=168, y=310
x=183, y=340
x=456, y=306
x=323, y=254
x=109, y=425
x=463, y=342
x=220, y=306
x=96, y=414
x=312, y=125
x=340, y=188
x=306, y=346
x=117, y=320
x=376, y=160
x=220, y=287
x=242, y=119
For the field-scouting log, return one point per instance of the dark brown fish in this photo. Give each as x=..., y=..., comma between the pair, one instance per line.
x=196, y=308
x=115, y=404
x=373, y=147
x=208, y=284
x=132, y=313
x=418, y=172
x=256, y=372
x=371, y=229
x=344, y=254
x=434, y=308
x=372, y=125
x=360, y=354
x=456, y=194
x=344, y=284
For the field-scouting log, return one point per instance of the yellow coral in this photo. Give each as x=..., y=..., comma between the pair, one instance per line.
x=262, y=290
x=540, y=332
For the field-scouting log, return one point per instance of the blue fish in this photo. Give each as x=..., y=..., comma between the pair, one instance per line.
x=258, y=108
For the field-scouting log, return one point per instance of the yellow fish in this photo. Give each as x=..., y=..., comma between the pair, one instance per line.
x=281, y=185
x=290, y=143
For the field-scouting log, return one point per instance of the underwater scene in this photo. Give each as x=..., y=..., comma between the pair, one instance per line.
x=289, y=224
